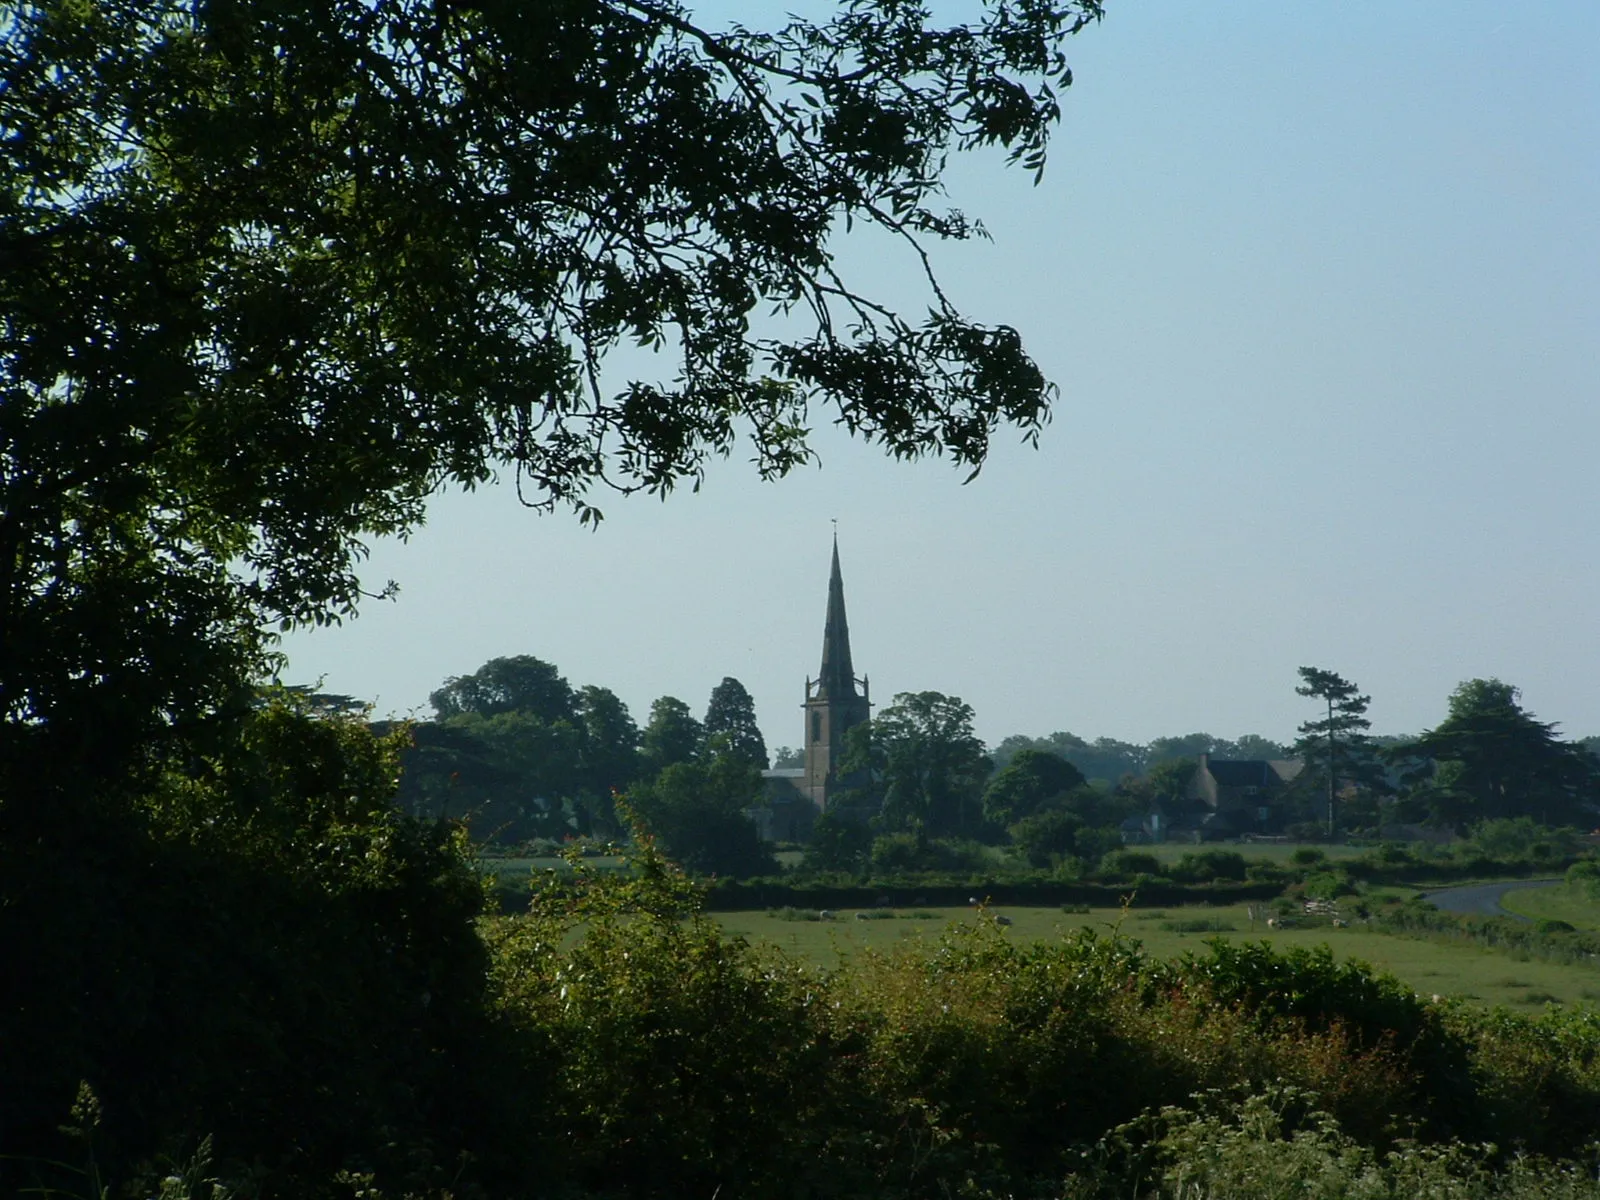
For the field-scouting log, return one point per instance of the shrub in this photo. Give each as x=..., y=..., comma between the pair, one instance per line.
x=1047, y=836
x=1392, y=854
x=1584, y=875
x=1210, y=865
x=1521, y=839
x=1123, y=863
x=1280, y=1142
x=1265, y=872
x=907, y=853
x=1328, y=885
x=260, y=947
x=838, y=843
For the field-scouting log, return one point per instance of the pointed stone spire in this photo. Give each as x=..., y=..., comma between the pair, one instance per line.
x=837, y=679
x=834, y=704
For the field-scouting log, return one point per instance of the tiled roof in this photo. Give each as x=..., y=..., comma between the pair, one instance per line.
x=1242, y=772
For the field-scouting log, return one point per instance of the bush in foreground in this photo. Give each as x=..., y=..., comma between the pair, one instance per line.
x=616, y=1043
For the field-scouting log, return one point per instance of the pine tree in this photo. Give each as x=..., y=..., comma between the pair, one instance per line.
x=732, y=713
x=1339, y=740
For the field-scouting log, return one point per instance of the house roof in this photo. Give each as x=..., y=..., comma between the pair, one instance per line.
x=1243, y=772
x=1287, y=768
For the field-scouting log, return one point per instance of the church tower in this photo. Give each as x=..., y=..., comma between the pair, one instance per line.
x=836, y=701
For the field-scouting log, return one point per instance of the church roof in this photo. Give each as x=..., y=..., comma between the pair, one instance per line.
x=837, y=679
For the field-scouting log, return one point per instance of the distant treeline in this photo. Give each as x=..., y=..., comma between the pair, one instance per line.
x=516, y=752
x=520, y=756
x=1109, y=760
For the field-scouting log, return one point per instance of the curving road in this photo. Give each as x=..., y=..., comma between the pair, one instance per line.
x=1483, y=899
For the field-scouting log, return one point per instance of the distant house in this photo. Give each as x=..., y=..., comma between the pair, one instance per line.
x=1226, y=798
x=1236, y=796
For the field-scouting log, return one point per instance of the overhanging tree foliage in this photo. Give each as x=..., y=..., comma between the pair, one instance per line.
x=274, y=273
x=271, y=275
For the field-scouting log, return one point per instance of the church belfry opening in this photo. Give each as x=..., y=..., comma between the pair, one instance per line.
x=836, y=701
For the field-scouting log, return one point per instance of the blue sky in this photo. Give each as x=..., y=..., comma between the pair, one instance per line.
x=1320, y=285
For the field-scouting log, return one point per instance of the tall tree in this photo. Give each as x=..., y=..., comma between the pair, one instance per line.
x=506, y=754
x=732, y=714
x=541, y=763
x=1337, y=742
x=1491, y=759
x=518, y=684
x=672, y=736
x=610, y=741
x=446, y=771
x=697, y=810
x=1032, y=779
x=932, y=764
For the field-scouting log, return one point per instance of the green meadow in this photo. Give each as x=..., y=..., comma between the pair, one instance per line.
x=1568, y=902
x=1470, y=973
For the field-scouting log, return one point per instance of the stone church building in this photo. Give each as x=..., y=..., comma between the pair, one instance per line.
x=835, y=703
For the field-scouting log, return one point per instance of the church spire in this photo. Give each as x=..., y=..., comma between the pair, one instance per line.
x=834, y=704
x=837, y=679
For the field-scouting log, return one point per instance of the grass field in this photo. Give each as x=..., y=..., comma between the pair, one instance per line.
x=1166, y=852
x=1467, y=972
x=1562, y=903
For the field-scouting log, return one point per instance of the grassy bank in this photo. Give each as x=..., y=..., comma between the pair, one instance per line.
x=1572, y=903
x=1477, y=974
